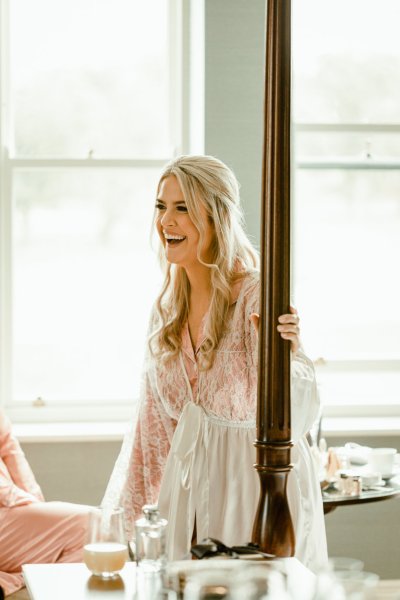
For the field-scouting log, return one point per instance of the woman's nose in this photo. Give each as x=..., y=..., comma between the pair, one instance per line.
x=168, y=218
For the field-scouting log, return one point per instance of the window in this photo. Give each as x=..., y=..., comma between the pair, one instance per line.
x=347, y=200
x=93, y=96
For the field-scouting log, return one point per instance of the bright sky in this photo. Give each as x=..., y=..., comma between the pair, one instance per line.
x=50, y=34
x=345, y=26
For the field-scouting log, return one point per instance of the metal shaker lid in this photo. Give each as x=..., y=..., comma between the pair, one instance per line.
x=151, y=512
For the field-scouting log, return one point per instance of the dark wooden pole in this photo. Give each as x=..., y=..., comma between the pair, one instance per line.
x=273, y=529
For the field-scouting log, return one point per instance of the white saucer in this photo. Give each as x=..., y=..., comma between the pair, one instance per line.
x=378, y=484
x=396, y=471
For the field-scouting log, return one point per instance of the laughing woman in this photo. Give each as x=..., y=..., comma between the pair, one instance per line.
x=191, y=448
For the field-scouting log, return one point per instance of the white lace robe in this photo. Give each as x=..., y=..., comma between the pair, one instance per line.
x=191, y=447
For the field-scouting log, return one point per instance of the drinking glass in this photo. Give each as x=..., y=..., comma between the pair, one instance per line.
x=266, y=581
x=247, y=581
x=358, y=585
x=344, y=563
x=328, y=585
x=105, y=551
x=205, y=585
x=151, y=585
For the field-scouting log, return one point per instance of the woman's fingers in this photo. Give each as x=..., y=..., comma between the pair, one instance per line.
x=291, y=317
x=288, y=327
x=288, y=330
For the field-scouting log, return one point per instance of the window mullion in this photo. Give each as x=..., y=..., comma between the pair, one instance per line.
x=87, y=163
x=346, y=127
x=178, y=48
x=368, y=164
x=5, y=283
x=5, y=211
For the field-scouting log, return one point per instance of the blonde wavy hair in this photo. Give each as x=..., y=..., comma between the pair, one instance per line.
x=208, y=182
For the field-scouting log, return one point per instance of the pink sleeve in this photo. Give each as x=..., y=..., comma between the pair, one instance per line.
x=151, y=446
x=11, y=582
x=17, y=482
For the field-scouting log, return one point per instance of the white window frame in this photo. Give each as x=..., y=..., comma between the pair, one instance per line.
x=368, y=162
x=186, y=50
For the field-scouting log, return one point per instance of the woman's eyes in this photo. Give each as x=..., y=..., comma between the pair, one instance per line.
x=180, y=208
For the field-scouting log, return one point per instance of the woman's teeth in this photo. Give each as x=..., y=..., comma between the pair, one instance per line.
x=174, y=239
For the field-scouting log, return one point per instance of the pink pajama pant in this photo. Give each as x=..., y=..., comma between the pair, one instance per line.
x=43, y=532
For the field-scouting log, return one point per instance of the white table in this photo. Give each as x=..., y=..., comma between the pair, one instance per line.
x=74, y=582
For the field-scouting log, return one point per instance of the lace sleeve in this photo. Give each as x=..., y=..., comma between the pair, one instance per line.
x=137, y=474
x=304, y=395
x=251, y=303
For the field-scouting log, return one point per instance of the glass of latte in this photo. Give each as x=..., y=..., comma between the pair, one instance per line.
x=105, y=551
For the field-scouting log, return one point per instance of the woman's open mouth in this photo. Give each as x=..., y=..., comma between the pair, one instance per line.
x=174, y=240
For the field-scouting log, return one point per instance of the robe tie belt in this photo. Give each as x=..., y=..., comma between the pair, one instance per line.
x=181, y=498
x=185, y=439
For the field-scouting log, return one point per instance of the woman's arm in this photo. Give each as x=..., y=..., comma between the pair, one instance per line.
x=137, y=474
x=10, y=583
x=17, y=482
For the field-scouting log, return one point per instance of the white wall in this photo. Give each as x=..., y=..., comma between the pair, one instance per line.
x=234, y=62
x=72, y=471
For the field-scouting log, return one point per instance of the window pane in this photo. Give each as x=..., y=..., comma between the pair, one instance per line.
x=84, y=281
x=350, y=145
x=347, y=246
x=90, y=78
x=376, y=384
x=346, y=60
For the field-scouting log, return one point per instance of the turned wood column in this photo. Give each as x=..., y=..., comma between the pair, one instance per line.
x=273, y=529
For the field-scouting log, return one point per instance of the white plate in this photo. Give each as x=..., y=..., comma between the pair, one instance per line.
x=378, y=484
x=360, y=470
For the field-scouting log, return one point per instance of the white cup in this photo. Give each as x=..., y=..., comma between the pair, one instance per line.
x=370, y=479
x=382, y=460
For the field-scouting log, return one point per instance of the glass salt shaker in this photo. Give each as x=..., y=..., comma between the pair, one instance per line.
x=150, y=539
x=345, y=484
x=357, y=485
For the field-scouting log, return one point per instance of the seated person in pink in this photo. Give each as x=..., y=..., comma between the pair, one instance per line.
x=31, y=530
